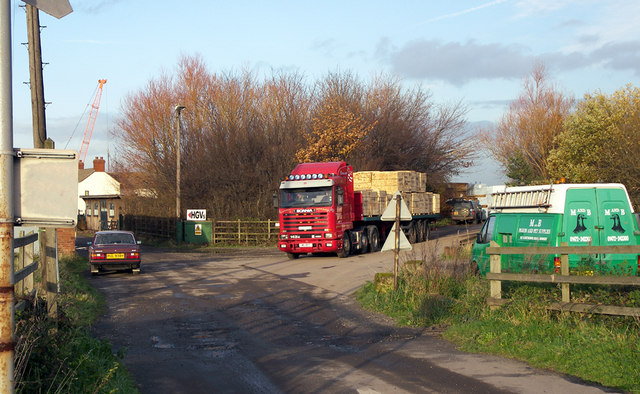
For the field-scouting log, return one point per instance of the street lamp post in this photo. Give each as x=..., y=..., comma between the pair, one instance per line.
x=179, y=109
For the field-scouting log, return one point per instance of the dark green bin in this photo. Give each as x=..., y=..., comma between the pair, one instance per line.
x=197, y=232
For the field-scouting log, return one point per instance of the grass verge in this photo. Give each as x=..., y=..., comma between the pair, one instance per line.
x=443, y=292
x=61, y=356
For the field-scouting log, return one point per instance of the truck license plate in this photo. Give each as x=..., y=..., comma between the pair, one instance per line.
x=306, y=245
x=115, y=255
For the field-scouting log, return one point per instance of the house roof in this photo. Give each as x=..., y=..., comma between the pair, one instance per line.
x=101, y=197
x=87, y=172
x=84, y=174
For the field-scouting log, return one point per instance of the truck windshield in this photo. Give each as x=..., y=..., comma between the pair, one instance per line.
x=306, y=197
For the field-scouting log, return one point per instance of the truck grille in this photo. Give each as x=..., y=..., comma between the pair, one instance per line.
x=312, y=222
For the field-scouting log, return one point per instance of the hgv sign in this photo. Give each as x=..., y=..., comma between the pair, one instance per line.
x=196, y=214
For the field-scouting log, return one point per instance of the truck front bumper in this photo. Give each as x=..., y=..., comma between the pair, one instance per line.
x=315, y=246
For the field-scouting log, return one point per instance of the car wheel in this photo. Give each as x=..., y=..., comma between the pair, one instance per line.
x=135, y=271
x=94, y=269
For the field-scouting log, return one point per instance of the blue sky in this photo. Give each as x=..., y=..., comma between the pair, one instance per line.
x=476, y=52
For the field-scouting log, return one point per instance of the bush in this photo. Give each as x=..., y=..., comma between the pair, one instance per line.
x=62, y=356
x=443, y=291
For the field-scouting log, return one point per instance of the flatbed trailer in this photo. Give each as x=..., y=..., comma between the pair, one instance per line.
x=320, y=212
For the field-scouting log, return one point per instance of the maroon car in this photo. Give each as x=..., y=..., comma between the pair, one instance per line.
x=114, y=250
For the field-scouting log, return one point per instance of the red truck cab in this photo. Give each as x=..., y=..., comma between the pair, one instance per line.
x=316, y=208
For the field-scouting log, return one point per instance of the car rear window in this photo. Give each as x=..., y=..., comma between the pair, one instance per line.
x=110, y=239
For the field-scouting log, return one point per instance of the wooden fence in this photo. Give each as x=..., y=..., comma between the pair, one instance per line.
x=243, y=231
x=151, y=226
x=496, y=277
x=24, y=264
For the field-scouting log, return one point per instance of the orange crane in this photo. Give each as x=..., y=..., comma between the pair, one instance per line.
x=93, y=114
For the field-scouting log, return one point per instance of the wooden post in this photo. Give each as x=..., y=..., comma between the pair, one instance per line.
x=495, y=290
x=396, y=249
x=239, y=235
x=18, y=288
x=564, y=270
x=29, y=251
x=48, y=260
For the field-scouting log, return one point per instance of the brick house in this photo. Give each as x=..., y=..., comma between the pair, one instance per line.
x=99, y=198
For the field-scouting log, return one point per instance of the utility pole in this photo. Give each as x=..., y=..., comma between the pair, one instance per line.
x=179, y=228
x=57, y=8
x=47, y=235
x=35, y=77
x=6, y=203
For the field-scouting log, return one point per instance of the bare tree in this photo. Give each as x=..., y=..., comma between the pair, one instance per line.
x=240, y=135
x=524, y=136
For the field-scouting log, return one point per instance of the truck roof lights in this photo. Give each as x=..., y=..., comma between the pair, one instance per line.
x=302, y=177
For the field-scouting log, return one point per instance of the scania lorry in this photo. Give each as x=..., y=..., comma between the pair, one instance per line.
x=327, y=208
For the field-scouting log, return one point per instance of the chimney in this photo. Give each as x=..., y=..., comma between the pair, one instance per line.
x=80, y=165
x=98, y=164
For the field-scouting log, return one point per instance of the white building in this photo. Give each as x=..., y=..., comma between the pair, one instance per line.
x=98, y=196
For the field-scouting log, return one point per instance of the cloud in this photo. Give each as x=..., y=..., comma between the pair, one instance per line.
x=457, y=63
x=460, y=63
x=619, y=56
x=93, y=6
x=466, y=11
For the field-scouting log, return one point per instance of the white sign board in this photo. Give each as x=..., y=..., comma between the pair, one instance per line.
x=56, y=8
x=390, y=243
x=389, y=213
x=197, y=214
x=45, y=187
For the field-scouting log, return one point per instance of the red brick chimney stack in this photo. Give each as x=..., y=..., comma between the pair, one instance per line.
x=98, y=164
x=80, y=165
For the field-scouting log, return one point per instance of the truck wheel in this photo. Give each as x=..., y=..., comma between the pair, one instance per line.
x=364, y=242
x=346, y=245
x=374, y=238
x=427, y=230
x=420, y=230
x=292, y=256
x=412, y=236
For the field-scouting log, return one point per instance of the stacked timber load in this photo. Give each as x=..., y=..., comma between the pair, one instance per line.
x=378, y=187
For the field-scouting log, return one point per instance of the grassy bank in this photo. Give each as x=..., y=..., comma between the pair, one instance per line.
x=62, y=356
x=441, y=292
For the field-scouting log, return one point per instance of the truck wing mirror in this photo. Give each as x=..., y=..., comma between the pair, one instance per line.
x=275, y=200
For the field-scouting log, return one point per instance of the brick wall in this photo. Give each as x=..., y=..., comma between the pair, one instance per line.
x=66, y=241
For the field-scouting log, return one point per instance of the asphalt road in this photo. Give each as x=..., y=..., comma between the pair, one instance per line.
x=252, y=321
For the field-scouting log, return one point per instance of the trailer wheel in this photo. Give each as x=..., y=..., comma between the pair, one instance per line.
x=374, y=238
x=412, y=235
x=427, y=230
x=420, y=231
x=346, y=245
